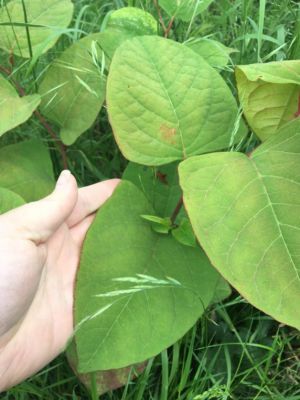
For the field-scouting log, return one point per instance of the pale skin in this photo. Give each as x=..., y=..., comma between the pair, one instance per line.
x=40, y=246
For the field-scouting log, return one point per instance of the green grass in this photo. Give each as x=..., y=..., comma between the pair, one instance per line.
x=234, y=352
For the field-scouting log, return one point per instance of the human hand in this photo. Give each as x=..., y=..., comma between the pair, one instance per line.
x=40, y=245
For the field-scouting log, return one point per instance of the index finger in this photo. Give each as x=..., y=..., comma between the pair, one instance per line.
x=90, y=198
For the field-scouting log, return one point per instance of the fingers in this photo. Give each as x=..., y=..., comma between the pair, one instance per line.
x=90, y=198
x=79, y=231
x=37, y=221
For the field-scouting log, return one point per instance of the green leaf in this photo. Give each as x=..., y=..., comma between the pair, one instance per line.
x=105, y=380
x=184, y=9
x=132, y=21
x=159, y=185
x=184, y=233
x=26, y=169
x=9, y=200
x=163, y=111
x=222, y=291
x=136, y=294
x=160, y=225
x=215, y=53
x=161, y=188
x=269, y=95
x=245, y=213
x=14, y=110
x=73, y=88
x=47, y=19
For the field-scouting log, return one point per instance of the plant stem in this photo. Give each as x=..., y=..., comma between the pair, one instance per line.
x=169, y=27
x=58, y=142
x=94, y=390
x=160, y=16
x=61, y=147
x=176, y=210
x=166, y=29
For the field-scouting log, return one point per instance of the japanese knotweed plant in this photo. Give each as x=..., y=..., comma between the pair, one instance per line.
x=192, y=213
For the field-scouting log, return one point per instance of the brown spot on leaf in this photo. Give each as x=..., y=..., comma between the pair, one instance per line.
x=105, y=380
x=161, y=177
x=168, y=133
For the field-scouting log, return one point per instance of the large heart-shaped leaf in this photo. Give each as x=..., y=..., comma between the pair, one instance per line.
x=9, y=200
x=137, y=292
x=245, y=213
x=26, y=169
x=269, y=94
x=73, y=88
x=132, y=21
x=14, y=110
x=184, y=9
x=215, y=53
x=46, y=20
x=166, y=103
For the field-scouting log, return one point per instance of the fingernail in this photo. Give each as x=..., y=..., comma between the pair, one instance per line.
x=64, y=178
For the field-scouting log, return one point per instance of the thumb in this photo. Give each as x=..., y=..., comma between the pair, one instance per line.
x=37, y=221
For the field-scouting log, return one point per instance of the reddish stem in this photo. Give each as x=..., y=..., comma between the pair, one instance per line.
x=159, y=15
x=169, y=27
x=176, y=210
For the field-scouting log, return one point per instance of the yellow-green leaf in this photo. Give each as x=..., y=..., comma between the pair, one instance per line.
x=184, y=9
x=26, y=169
x=166, y=103
x=269, y=95
x=9, y=200
x=73, y=88
x=245, y=212
x=215, y=53
x=14, y=110
x=132, y=21
x=46, y=20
